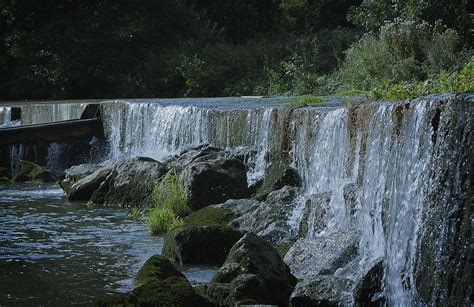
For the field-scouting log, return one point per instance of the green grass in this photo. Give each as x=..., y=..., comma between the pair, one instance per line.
x=170, y=204
x=350, y=92
x=303, y=100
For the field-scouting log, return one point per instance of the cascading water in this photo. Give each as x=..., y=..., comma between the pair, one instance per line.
x=373, y=173
x=160, y=131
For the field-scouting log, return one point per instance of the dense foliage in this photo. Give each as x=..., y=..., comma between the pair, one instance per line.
x=172, y=48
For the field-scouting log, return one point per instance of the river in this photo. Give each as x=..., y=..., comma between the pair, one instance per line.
x=54, y=252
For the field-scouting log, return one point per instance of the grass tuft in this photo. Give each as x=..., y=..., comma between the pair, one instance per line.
x=170, y=204
x=303, y=100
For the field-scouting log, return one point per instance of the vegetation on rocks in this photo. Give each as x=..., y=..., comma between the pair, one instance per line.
x=169, y=205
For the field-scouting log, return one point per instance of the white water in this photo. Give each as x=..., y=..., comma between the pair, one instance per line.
x=159, y=131
x=389, y=197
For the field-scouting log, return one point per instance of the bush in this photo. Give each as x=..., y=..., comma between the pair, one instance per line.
x=169, y=205
x=457, y=82
x=403, y=51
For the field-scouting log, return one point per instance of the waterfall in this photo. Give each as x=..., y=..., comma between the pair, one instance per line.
x=159, y=131
x=393, y=175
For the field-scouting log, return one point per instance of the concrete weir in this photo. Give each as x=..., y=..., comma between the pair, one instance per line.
x=387, y=187
x=88, y=126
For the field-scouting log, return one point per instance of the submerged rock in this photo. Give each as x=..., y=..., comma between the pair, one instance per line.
x=31, y=171
x=213, y=182
x=253, y=273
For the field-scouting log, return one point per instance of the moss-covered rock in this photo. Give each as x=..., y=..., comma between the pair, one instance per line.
x=118, y=300
x=173, y=291
x=31, y=171
x=157, y=267
x=200, y=244
x=210, y=216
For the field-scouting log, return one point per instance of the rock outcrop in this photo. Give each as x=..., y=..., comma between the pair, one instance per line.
x=253, y=273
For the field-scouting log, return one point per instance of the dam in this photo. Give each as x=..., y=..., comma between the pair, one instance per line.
x=396, y=177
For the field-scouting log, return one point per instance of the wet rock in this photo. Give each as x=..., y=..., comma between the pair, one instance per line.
x=278, y=175
x=74, y=174
x=322, y=291
x=253, y=273
x=173, y=291
x=322, y=254
x=314, y=216
x=269, y=219
x=238, y=206
x=31, y=171
x=83, y=188
x=129, y=183
x=210, y=216
x=213, y=182
x=368, y=289
x=350, y=198
x=118, y=300
x=200, y=244
x=157, y=267
x=159, y=284
x=196, y=154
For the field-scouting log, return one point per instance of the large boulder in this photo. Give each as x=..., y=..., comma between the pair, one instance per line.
x=30, y=171
x=122, y=184
x=74, y=174
x=83, y=188
x=214, y=181
x=253, y=273
x=200, y=244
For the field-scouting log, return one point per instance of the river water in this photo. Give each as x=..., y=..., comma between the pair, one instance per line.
x=55, y=253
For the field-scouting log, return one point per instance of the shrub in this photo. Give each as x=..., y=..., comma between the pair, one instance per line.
x=460, y=81
x=169, y=204
x=403, y=51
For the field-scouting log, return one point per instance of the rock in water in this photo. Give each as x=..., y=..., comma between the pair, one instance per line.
x=253, y=273
x=215, y=181
x=74, y=174
x=31, y=171
x=159, y=284
x=83, y=188
x=278, y=175
x=200, y=244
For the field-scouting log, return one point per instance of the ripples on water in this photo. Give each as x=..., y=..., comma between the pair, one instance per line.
x=53, y=252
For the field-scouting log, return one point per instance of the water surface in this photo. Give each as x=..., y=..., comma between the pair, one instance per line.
x=55, y=253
